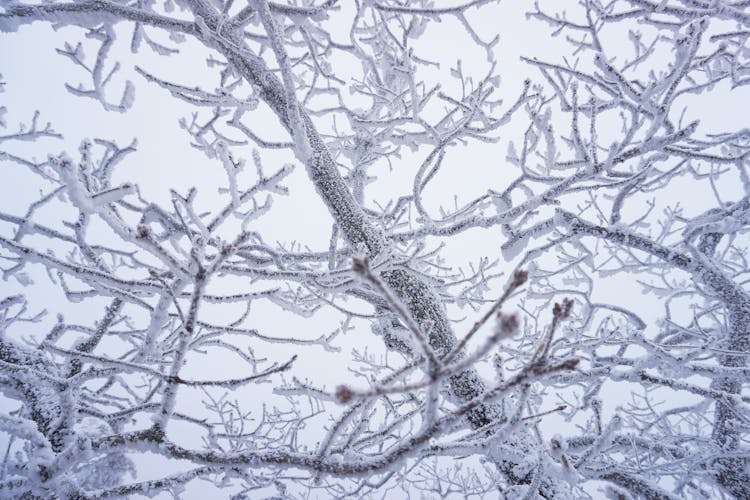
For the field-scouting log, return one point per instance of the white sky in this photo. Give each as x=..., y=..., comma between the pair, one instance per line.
x=35, y=75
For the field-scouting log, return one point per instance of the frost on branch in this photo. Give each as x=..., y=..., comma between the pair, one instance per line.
x=329, y=308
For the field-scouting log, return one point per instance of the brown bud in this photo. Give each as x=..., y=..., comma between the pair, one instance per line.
x=570, y=364
x=563, y=311
x=227, y=249
x=142, y=231
x=507, y=324
x=344, y=394
x=360, y=266
x=520, y=277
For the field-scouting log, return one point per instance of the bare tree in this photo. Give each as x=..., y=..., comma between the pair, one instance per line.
x=601, y=177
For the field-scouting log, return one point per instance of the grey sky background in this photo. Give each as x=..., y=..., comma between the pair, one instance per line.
x=35, y=77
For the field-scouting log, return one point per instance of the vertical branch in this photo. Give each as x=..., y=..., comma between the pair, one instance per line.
x=294, y=116
x=186, y=333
